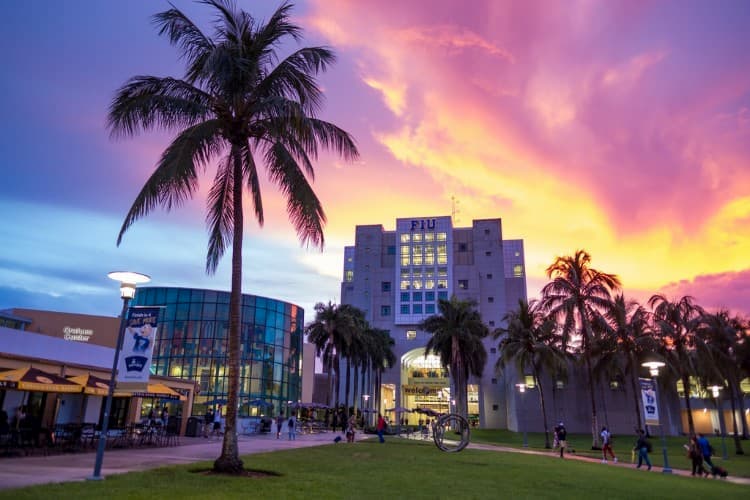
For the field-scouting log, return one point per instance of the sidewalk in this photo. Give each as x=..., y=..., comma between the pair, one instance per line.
x=573, y=456
x=17, y=472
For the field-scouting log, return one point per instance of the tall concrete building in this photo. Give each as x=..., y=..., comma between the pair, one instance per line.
x=397, y=278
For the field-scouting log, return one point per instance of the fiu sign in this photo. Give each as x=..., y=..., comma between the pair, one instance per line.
x=422, y=224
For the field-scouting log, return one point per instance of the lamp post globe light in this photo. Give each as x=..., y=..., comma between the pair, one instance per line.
x=653, y=370
x=715, y=393
x=128, y=281
x=522, y=390
x=365, y=418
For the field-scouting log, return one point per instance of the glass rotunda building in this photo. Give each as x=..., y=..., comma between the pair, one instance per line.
x=192, y=342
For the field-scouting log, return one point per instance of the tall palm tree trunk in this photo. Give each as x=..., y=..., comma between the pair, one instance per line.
x=737, y=445
x=636, y=400
x=594, y=421
x=738, y=395
x=347, y=386
x=686, y=386
x=329, y=381
x=337, y=380
x=544, y=407
x=229, y=461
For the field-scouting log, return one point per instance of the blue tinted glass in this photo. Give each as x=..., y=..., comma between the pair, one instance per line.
x=404, y=308
x=404, y=296
x=430, y=308
x=417, y=296
x=429, y=296
x=443, y=295
x=417, y=308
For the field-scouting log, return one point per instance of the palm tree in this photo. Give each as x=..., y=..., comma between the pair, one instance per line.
x=577, y=294
x=381, y=357
x=626, y=339
x=330, y=331
x=351, y=351
x=722, y=333
x=676, y=324
x=457, y=333
x=238, y=104
x=530, y=341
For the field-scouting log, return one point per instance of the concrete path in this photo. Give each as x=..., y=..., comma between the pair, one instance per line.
x=19, y=471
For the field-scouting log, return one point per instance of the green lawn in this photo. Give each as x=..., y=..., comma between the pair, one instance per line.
x=737, y=465
x=397, y=469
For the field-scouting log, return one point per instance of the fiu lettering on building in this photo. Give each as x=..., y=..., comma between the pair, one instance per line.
x=422, y=224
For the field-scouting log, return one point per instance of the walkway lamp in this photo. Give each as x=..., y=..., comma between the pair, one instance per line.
x=128, y=281
x=366, y=409
x=522, y=390
x=653, y=370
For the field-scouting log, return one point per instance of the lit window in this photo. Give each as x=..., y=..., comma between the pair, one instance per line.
x=441, y=236
x=442, y=272
x=429, y=236
x=429, y=284
x=405, y=238
x=404, y=308
x=411, y=334
x=417, y=260
x=442, y=259
x=518, y=254
x=405, y=260
x=417, y=237
x=529, y=381
x=404, y=285
x=417, y=273
x=417, y=308
x=559, y=384
x=518, y=271
x=404, y=249
x=349, y=276
x=429, y=259
x=404, y=296
x=463, y=284
x=429, y=273
x=417, y=284
x=442, y=283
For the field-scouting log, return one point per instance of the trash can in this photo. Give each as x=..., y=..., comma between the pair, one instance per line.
x=265, y=425
x=193, y=427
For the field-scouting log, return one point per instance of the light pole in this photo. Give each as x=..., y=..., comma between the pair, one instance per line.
x=653, y=370
x=715, y=392
x=128, y=280
x=366, y=410
x=522, y=390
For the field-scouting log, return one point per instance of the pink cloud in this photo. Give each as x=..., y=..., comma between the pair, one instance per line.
x=729, y=290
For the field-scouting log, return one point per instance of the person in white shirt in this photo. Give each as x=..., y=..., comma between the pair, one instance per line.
x=607, y=445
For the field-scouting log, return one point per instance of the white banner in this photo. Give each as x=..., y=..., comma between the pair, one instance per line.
x=650, y=406
x=134, y=365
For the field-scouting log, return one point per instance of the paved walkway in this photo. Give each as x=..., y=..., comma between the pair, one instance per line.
x=17, y=472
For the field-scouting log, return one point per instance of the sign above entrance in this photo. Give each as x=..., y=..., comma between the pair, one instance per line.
x=416, y=390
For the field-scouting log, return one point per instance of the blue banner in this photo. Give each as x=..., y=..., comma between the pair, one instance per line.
x=137, y=346
x=650, y=405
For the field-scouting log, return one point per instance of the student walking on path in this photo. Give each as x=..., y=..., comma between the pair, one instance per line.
x=706, y=450
x=642, y=446
x=607, y=445
x=381, y=428
x=292, y=428
x=562, y=436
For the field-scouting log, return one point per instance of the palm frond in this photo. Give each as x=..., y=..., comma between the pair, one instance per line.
x=220, y=214
x=183, y=33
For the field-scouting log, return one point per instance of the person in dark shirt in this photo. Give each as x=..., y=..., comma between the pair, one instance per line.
x=642, y=447
x=562, y=436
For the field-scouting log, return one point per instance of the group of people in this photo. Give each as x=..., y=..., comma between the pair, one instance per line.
x=700, y=451
x=162, y=420
x=212, y=422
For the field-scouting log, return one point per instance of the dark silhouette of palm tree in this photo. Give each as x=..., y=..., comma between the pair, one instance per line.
x=240, y=104
x=457, y=333
x=575, y=296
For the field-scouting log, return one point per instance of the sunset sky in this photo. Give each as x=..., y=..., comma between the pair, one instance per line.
x=619, y=127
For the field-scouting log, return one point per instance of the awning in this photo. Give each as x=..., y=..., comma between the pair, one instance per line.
x=34, y=379
x=91, y=385
x=159, y=391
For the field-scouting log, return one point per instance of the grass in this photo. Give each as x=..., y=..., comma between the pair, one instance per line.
x=737, y=465
x=397, y=469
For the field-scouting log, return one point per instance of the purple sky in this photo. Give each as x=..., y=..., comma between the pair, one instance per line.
x=618, y=127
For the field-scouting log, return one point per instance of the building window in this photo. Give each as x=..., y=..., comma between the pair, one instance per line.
x=518, y=271
x=429, y=296
x=489, y=276
x=442, y=295
x=492, y=322
x=385, y=310
x=490, y=299
x=529, y=381
x=559, y=384
x=411, y=334
x=416, y=296
x=349, y=276
x=405, y=238
x=494, y=381
x=442, y=283
x=404, y=296
x=429, y=308
x=385, y=286
x=405, y=284
x=487, y=253
x=614, y=384
x=441, y=236
x=462, y=247
x=486, y=231
x=404, y=308
x=417, y=308
x=391, y=250
x=463, y=284
x=494, y=407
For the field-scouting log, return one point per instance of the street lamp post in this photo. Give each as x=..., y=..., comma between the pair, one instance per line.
x=653, y=370
x=128, y=280
x=715, y=392
x=366, y=409
x=522, y=390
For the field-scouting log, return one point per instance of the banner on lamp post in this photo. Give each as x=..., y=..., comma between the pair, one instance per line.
x=650, y=405
x=134, y=365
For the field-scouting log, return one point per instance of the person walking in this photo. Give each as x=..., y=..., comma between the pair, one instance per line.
x=279, y=425
x=350, y=430
x=164, y=417
x=695, y=455
x=292, y=428
x=642, y=446
x=562, y=438
x=217, y=422
x=208, y=422
x=607, y=445
x=706, y=450
x=381, y=428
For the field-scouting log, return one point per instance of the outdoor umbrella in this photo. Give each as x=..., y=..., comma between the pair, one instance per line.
x=259, y=402
x=91, y=385
x=34, y=379
x=399, y=409
x=159, y=391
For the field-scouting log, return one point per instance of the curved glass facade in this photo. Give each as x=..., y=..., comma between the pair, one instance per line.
x=192, y=343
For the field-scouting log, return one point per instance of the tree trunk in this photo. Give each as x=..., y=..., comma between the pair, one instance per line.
x=347, y=386
x=737, y=445
x=229, y=461
x=459, y=378
x=355, y=383
x=329, y=381
x=743, y=419
x=544, y=407
x=686, y=386
x=594, y=422
x=636, y=397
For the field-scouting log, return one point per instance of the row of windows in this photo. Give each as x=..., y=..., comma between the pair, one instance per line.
x=419, y=296
x=442, y=249
x=427, y=260
x=427, y=236
x=428, y=284
x=170, y=296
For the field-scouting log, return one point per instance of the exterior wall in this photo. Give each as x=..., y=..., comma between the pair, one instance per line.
x=192, y=340
x=99, y=330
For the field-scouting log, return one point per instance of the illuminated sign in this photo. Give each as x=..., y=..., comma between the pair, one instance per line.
x=77, y=334
x=422, y=224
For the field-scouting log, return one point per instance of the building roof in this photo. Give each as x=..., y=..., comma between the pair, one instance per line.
x=32, y=345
